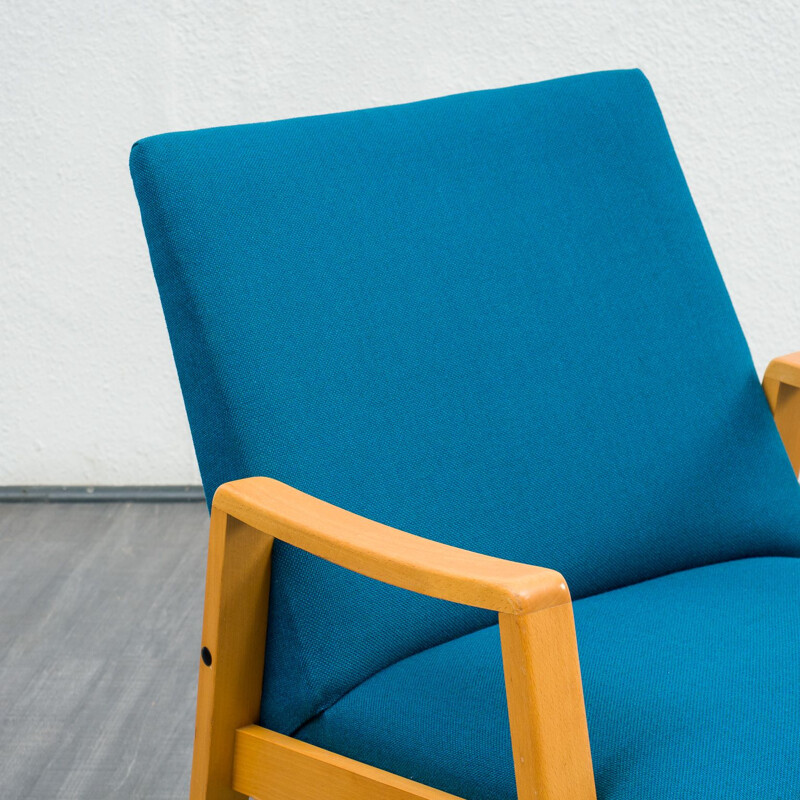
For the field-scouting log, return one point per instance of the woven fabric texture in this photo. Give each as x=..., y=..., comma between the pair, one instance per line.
x=491, y=319
x=691, y=681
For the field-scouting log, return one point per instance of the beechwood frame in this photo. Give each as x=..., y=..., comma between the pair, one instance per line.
x=235, y=758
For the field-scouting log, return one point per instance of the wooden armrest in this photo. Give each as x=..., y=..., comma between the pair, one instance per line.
x=782, y=388
x=782, y=370
x=387, y=554
x=549, y=735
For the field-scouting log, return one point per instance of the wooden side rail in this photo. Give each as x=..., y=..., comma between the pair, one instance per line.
x=782, y=388
x=234, y=757
x=269, y=765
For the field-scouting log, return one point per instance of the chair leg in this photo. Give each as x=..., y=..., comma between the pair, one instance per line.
x=232, y=655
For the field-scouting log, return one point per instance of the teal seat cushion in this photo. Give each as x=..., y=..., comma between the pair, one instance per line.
x=491, y=319
x=691, y=681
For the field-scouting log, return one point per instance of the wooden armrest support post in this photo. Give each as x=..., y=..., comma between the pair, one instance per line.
x=782, y=388
x=540, y=659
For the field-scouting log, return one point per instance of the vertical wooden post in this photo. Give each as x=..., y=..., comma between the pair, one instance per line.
x=550, y=740
x=232, y=655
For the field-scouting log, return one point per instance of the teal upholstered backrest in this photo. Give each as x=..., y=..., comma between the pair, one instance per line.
x=492, y=319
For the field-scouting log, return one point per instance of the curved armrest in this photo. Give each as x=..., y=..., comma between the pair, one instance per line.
x=782, y=388
x=387, y=554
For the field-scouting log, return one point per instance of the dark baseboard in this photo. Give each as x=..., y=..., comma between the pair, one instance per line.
x=101, y=494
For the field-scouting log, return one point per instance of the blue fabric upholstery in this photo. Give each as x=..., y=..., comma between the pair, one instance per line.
x=691, y=681
x=491, y=319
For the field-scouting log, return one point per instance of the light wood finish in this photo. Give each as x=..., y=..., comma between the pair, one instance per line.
x=782, y=388
x=548, y=724
x=387, y=554
x=269, y=766
x=784, y=369
x=234, y=631
x=550, y=740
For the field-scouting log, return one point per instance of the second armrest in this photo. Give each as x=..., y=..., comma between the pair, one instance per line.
x=783, y=370
x=782, y=388
x=388, y=554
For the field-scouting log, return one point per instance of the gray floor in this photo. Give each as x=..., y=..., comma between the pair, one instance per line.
x=100, y=618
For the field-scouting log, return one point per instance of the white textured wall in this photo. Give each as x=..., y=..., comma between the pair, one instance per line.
x=88, y=391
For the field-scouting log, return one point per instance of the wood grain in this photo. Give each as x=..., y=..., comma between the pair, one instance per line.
x=269, y=766
x=234, y=632
x=782, y=388
x=550, y=740
x=387, y=554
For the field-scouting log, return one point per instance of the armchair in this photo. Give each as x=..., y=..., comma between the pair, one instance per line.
x=492, y=320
